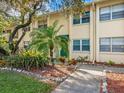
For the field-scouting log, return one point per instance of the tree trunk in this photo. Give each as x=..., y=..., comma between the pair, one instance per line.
x=18, y=42
x=51, y=57
x=14, y=48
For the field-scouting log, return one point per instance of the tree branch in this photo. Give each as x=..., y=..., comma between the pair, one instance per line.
x=24, y=25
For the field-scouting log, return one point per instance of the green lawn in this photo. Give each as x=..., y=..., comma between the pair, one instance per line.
x=11, y=82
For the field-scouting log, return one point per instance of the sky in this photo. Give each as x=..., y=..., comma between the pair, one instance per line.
x=55, y=7
x=88, y=0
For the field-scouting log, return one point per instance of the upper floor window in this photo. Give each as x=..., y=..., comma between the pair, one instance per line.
x=86, y=17
x=105, y=14
x=118, y=11
x=81, y=18
x=112, y=12
x=76, y=19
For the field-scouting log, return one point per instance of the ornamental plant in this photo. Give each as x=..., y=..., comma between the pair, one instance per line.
x=26, y=60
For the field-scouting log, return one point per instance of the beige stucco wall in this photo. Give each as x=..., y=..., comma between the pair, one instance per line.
x=110, y=28
x=80, y=32
x=62, y=20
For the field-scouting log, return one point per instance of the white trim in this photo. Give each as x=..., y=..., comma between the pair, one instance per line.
x=118, y=19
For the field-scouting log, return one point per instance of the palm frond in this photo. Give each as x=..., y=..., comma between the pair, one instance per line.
x=46, y=39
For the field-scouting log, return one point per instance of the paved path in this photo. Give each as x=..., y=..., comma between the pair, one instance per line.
x=86, y=79
x=81, y=81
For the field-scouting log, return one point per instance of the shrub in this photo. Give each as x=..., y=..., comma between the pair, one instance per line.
x=72, y=62
x=82, y=59
x=26, y=60
x=2, y=63
x=110, y=62
x=62, y=60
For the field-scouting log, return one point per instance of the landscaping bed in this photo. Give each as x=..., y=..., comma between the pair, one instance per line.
x=115, y=82
x=57, y=71
x=55, y=74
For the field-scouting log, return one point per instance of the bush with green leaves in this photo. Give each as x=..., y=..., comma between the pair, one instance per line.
x=110, y=62
x=26, y=60
x=82, y=59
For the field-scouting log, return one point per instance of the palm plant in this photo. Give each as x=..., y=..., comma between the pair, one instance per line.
x=47, y=40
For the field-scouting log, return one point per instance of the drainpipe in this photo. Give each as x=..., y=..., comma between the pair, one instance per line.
x=69, y=33
x=94, y=31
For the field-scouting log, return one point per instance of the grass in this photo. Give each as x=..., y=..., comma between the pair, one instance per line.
x=12, y=82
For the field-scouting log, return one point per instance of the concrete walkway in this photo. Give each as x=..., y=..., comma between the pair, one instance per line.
x=86, y=79
x=83, y=80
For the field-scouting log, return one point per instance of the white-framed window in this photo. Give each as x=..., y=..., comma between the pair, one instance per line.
x=112, y=44
x=76, y=19
x=81, y=45
x=118, y=44
x=81, y=18
x=105, y=44
x=76, y=45
x=86, y=45
x=118, y=11
x=105, y=13
x=85, y=17
x=26, y=44
x=112, y=12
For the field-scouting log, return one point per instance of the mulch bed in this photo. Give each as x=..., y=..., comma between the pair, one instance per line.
x=115, y=82
x=57, y=71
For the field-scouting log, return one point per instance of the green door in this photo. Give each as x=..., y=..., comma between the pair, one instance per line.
x=64, y=53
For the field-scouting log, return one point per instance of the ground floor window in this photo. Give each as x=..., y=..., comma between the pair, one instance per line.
x=118, y=44
x=105, y=44
x=81, y=45
x=112, y=44
x=76, y=45
x=85, y=45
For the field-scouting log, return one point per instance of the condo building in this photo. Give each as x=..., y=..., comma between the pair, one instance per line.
x=98, y=33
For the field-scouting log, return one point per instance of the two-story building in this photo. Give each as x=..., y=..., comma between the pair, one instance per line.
x=98, y=33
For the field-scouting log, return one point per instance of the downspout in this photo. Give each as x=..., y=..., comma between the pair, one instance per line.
x=94, y=31
x=69, y=33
